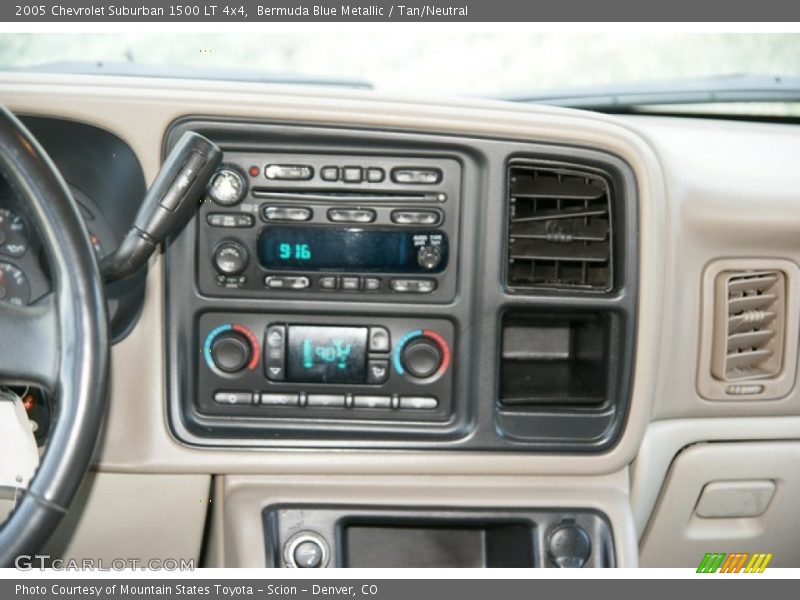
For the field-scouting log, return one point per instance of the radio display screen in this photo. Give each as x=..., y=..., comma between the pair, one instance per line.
x=322, y=354
x=347, y=249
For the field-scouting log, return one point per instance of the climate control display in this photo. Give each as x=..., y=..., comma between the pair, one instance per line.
x=327, y=354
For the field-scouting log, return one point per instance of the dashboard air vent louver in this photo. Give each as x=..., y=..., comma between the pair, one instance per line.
x=560, y=233
x=749, y=326
x=750, y=319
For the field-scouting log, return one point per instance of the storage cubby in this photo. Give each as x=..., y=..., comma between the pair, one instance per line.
x=554, y=359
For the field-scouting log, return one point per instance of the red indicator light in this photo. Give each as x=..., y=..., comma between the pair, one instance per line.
x=254, y=171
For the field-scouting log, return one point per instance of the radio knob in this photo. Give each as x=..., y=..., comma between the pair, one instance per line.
x=231, y=351
x=227, y=187
x=429, y=257
x=422, y=357
x=230, y=258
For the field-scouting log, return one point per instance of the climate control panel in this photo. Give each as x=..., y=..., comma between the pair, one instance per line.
x=289, y=367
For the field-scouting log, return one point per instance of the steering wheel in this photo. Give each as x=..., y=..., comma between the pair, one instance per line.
x=60, y=343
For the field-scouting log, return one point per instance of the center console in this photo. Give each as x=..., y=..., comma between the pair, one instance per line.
x=392, y=290
x=369, y=537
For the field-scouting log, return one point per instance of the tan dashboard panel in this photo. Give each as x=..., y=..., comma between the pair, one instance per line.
x=727, y=497
x=237, y=538
x=119, y=516
x=137, y=437
x=733, y=196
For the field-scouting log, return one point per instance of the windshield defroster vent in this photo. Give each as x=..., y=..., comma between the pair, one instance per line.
x=559, y=232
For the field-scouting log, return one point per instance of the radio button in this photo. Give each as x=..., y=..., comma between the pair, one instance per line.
x=375, y=175
x=233, y=398
x=379, y=340
x=233, y=282
x=416, y=176
x=290, y=172
x=351, y=283
x=227, y=187
x=416, y=217
x=377, y=371
x=287, y=213
x=328, y=283
x=275, y=352
x=329, y=173
x=418, y=403
x=372, y=402
x=429, y=257
x=230, y=258
x=413, y=286
x=325, y=400
x=237, y=220
x=372, y=284
x=353, y=174
x=279, y=399
x=351, y=215
x=286, y=282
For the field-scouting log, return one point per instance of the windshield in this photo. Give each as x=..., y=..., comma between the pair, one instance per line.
x=451, y=63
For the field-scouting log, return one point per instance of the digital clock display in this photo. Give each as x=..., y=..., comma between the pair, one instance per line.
x=349, y=250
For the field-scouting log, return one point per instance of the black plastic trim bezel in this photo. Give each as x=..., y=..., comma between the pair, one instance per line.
x=476, y=310
x=281, y=522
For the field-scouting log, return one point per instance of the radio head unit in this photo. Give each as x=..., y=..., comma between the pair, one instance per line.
x=330, y=227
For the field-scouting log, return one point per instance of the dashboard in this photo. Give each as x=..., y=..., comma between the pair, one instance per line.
x=418, y=309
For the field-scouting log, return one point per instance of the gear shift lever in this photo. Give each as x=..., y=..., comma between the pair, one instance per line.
x=168, y=204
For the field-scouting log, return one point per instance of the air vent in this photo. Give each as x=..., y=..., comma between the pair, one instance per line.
x=559, y=229
x=749, y=325
x=751, y=354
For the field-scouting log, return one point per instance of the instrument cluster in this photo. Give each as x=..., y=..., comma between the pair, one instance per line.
x=24, y=273
x=22, y=276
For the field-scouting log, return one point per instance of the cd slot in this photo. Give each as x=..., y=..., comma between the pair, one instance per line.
x=344, y=196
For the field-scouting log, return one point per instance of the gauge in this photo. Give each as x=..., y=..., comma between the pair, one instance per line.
x=14, y=286
x=13, y=238
x=227, y=187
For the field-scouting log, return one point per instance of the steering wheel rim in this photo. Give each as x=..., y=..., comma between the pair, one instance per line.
x=61, y=342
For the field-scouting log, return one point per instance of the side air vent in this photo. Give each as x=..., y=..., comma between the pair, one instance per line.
x=749, y=325
x=559, y=231
x=752, y=353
